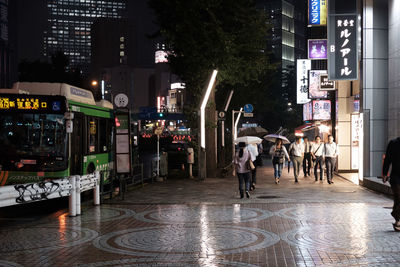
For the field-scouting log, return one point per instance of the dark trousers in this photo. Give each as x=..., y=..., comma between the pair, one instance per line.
x=253, y=174
x=244, y=178
x=396, y=198
x=307, y=163
x=330, y=166
x=319, y=163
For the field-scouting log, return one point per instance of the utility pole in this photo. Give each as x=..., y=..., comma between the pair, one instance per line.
x=221, y=154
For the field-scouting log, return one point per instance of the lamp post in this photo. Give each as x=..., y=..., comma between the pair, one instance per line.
x=234, y=131
x=202, y=151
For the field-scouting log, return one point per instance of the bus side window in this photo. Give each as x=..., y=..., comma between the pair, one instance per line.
x=93, y=125
x=103, y=130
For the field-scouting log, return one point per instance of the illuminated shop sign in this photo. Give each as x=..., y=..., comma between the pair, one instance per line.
x=32, y=103
x=317, y=12
x=303, y=66
x=307, y=111
x=342, y=41
x=321, y=110
x=317, y=49
x=325, y=83
x=314, y=90
x=161, y=56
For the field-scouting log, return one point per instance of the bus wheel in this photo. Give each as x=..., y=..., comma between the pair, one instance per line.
x=91, y=168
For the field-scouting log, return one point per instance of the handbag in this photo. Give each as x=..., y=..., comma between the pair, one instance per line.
x=278, y=160
x=249, y=165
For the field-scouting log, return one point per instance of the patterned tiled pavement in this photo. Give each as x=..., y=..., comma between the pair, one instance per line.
x=192, y=223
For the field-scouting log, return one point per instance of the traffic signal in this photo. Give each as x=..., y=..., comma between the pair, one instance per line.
x=160, y=115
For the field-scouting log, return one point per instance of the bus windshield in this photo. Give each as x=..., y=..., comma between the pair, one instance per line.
x=33, y=135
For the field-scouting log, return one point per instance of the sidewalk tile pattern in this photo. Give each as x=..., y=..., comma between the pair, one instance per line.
x=191, y=223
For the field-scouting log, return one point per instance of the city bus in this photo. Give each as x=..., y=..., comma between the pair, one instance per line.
x=53, y=130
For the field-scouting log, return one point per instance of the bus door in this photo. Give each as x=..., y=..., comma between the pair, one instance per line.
x=77, y=144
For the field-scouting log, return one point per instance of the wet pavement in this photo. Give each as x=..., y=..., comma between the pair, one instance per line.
x=192, y=223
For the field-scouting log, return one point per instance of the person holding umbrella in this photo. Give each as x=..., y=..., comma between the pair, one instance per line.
x=243, y=173
x=252, y=148
x=296, y=150
x=278, y=153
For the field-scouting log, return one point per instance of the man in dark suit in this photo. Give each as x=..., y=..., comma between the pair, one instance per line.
x=392, y=157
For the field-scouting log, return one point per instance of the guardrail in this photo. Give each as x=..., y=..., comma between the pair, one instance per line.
x=70, y=186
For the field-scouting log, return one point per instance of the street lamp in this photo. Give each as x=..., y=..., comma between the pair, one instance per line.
x=202, y=172
x=237, y=121
x=203, y=107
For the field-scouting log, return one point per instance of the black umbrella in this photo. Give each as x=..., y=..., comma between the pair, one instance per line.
x=253, y=131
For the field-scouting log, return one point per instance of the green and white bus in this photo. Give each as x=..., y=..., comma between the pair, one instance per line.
x=53, y=130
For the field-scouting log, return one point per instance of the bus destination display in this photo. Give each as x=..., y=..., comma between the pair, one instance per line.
x=32, y=103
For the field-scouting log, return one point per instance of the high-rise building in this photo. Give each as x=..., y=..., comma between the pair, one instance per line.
x=69, y=27
x=6, y=51
x=113, y=43
x=288, y=29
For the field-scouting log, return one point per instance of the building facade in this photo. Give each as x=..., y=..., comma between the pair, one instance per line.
x=69, y=27
x=7, y=50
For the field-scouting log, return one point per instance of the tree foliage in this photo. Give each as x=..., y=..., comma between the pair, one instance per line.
x=228, y=35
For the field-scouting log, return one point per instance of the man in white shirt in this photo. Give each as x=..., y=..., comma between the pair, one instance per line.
x=331, y=151
x=296, y=151
x=317, y=150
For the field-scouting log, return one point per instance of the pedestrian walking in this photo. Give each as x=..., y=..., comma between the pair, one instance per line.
x=296, y=151
x=307, y=157
x=331, y=151
x=253, y=153
x=243, y=173
x=392, y=157
x=317, y=156
x=278, y=153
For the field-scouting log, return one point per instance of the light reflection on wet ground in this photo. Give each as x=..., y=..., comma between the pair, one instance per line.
x=206, y=224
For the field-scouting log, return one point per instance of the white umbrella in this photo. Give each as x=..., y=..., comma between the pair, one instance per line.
x=273, y=137
x=248, y=140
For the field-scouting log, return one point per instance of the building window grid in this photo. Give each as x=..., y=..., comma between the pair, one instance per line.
x=61, y=23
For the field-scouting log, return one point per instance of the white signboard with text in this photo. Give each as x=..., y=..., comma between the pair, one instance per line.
x=303, y=66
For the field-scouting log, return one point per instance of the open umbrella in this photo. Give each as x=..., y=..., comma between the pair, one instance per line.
x=248, y=140
x=273, y=137
x=253, y=131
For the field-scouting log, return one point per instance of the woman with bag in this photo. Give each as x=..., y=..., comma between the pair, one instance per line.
x=278, y=152
x=243, y=166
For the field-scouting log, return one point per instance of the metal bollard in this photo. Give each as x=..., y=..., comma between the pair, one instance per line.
x=72, y=197
x=96, y=190
x=78, y=195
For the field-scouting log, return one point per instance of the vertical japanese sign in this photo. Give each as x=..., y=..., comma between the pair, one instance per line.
x=314, y=90
x=317, y=12
x=356, y=132
x=303, y=66
x=307, y=112
x=342, y=40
